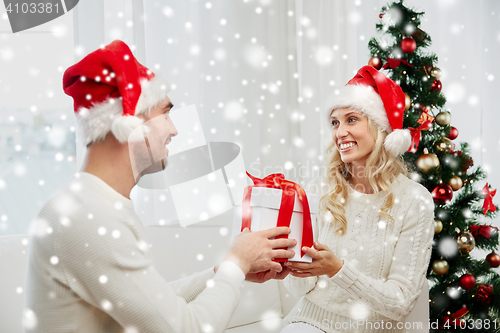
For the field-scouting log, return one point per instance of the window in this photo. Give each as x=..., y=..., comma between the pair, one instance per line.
x=37, y=145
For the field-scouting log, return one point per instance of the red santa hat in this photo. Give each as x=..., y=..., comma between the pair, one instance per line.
x=380, y=99
x=109, y=89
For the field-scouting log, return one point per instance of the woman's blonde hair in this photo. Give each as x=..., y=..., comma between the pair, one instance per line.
x=382, y=168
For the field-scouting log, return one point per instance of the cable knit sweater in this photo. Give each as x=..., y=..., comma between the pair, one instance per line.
x=384, y=267
x=90, y=271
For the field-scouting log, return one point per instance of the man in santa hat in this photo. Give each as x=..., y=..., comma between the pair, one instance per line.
x=89, y=270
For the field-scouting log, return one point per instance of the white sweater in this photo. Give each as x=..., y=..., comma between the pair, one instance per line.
x=384, y=267
x=89, y=271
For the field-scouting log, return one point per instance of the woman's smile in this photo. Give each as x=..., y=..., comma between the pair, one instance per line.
x=352, y=135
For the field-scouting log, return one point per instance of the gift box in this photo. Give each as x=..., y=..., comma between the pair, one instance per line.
x=274, y=201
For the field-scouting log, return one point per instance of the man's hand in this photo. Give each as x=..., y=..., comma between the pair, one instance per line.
x=254, y=251
x=324, y=262
x=262, y=277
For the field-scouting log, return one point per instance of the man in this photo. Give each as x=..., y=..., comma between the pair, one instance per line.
x=89, y=270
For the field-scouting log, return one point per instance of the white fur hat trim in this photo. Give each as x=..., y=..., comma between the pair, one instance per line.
x=367, y=101
x=95, y=123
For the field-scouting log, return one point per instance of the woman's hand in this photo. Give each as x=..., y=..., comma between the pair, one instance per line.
x=324, y=262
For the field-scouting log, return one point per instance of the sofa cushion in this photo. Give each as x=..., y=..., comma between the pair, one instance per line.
x=258, y=302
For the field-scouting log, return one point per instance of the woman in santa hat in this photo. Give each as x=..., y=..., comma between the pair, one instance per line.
x=374, y=237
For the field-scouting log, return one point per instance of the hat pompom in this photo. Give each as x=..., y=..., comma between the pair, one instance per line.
x=398, y=142
x=123, y=126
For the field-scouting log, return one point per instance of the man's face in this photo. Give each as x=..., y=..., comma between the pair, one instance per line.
x=149, y=155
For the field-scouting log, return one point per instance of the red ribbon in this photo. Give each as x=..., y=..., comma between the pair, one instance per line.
x=394, y=63
x=460, y=313
x=483, y=230
x=454, y=320
x=488, y=200
x=289, y=189
x=416, y=134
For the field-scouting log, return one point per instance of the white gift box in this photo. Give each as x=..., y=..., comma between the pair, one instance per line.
x=265, y=204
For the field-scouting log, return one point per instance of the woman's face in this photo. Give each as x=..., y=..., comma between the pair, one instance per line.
x=352, y=136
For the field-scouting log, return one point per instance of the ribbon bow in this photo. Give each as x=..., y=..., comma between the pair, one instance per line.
x=394, y=63
x=483, y=230
x=416, y=134
x=289, y=189
x=488, y=200
x=455, y=318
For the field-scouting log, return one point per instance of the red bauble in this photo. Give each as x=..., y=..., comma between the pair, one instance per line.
x=408, y=45
x=442, y=193
x=375, y=62
x=493, y=259
x=467, y=281
x=484, y=293
x=380, y=15
x=436, y=85
x=453, y=133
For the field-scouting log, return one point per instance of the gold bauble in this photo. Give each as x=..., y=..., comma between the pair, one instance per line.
x=427, y=162
x=438, y=226
x=436, y=72
x=466, y=242
x=407, y=102
x=443, y=118
x=440, y=267
x=456, y=183
x=443, y=144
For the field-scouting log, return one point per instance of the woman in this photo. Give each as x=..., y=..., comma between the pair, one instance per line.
x=374, y=240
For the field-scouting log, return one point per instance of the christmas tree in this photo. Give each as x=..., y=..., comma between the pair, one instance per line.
x=465, y=292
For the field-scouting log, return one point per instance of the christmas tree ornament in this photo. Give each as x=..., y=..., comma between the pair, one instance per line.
x=443, y=118
x=447, y=247
x=436, y=72
x=427, y=161
x=488, y=205
x=428, y=69
x=425, y=116
x=440, y=267
x=453, y=133
x=407, y=102
x=454, y=292
x=467, y=281
x=483, y=231
x=375, y=62
x=465, y=164
x=442, y=193
x=466, y=242
x=408, y=45
x=436, y=86
x=419, y=34
x=456, y=183
x=438, y=226
x=493, y=259
x=484, y=293
x=443, y=145
x=380, y=15
x=394, y=63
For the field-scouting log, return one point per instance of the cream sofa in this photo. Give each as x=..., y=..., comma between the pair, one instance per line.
x=261, y=308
